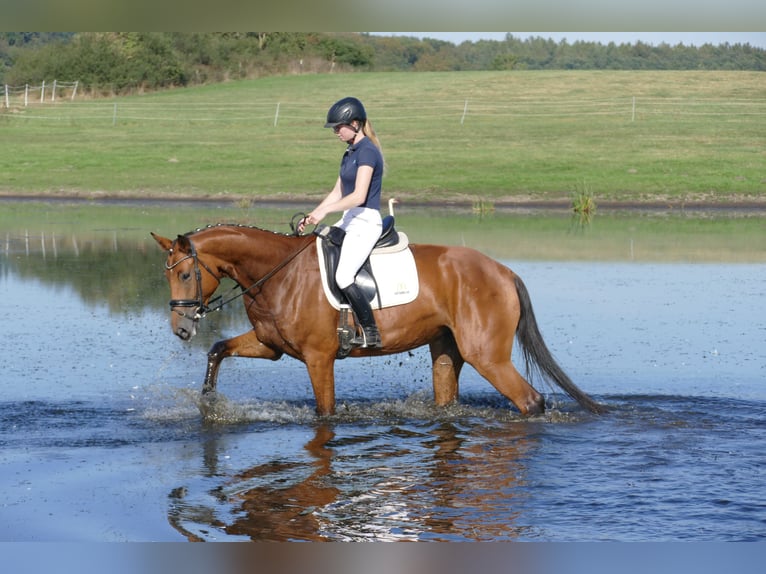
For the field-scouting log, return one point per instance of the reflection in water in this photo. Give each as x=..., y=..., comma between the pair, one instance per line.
x=445, y=482
x=273, y=501
x=656, y=468
x=277, y=502
x=104, y=268
x=487, y=476
x=100, y=268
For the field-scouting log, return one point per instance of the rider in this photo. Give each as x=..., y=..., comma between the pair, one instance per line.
x=357, y=194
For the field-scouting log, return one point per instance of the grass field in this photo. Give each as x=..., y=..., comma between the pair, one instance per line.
x=446, y=136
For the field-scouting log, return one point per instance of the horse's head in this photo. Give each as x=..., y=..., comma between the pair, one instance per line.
x=192, y=283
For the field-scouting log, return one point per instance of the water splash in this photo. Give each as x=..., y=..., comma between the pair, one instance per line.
x=219, y=409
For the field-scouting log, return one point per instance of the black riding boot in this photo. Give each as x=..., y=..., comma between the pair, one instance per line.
x=370, y=336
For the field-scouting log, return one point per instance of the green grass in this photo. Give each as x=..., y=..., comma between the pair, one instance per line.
x=524, y=134
x=583, y=205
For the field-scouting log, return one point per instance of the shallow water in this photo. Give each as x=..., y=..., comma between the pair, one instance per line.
x=101, y=437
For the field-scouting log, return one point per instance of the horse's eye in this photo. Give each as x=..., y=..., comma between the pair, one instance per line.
x=185, y=276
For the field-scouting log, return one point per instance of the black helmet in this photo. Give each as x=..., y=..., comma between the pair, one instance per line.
x=345, y=111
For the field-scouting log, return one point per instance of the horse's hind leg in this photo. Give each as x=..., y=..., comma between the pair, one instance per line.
x=447, y=363
x=245, y=345
x=485, y=340
x=491, y=357
x=507, y=380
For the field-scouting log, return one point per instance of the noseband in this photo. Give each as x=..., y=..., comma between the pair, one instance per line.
x=198, y=304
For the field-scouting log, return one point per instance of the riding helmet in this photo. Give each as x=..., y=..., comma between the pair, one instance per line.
x=345, y=111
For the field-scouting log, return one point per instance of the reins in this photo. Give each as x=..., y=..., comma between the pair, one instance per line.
x=201, y=308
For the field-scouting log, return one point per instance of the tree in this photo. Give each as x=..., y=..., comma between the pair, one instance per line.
x=346, y=51
x=123, y=61
x=505, y=61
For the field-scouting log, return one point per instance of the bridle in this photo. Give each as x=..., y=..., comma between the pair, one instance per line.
x=200, y=308
x=198, y=304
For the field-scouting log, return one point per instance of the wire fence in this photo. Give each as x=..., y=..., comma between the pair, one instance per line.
x=276, y=113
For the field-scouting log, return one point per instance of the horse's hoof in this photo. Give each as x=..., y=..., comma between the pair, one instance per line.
x=208, y=402
x=536, y=408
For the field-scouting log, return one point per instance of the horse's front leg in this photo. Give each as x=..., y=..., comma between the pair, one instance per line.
x=245, y=345
x=321, y=368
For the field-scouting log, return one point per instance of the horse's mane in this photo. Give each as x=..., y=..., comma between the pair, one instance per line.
x=235, y=225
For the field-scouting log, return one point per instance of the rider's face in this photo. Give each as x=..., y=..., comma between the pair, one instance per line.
x=345, y=132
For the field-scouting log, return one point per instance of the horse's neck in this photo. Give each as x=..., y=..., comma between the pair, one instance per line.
x=250, y=253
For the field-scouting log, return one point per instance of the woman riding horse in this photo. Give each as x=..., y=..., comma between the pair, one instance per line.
x=357, y=194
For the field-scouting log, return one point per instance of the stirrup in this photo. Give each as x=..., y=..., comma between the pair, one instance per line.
x=369, y=338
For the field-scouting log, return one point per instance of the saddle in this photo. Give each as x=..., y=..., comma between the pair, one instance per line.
x=389, y=241
x=387, y=278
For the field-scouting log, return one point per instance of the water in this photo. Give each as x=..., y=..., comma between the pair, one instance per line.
x=101, y=437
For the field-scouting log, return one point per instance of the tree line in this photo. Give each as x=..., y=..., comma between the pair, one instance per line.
x=120, y=62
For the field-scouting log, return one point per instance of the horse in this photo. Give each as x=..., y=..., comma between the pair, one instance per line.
x=469, y=309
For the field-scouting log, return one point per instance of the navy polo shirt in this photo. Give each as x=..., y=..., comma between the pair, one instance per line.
x=362, y=153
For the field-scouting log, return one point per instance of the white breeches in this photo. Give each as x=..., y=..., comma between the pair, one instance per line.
x=363, y=227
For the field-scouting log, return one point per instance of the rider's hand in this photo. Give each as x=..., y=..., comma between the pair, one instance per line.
x=312, y=218
x=303, y=223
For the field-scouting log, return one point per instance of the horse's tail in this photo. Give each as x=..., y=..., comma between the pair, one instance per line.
x=537, y=355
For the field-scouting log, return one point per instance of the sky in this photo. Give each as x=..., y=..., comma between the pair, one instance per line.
x=755, y=39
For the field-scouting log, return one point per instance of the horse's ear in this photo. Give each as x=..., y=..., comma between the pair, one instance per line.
x=183, y=244
x=163, y=242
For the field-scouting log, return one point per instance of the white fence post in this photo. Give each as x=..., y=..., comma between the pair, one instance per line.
x=27, y=91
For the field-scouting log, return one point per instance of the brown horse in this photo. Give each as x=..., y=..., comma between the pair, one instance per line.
x=469, y=309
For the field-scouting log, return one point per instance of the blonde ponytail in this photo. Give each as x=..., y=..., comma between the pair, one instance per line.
x=369, y=132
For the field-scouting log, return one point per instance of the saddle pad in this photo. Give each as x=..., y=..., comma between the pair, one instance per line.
x=395, y=273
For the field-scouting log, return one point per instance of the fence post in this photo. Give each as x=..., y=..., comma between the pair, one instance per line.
x=26, y=95
x=42, y=93
x=7, y=101
x=53, y=94
x=75, y=88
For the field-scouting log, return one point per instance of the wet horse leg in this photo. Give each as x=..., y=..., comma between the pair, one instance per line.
x=245, y=345
x=446, y=365
x=490, y=354
x=321, y=368
x=507, y=380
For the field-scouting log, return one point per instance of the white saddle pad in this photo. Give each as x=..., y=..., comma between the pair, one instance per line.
x=394, y=270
